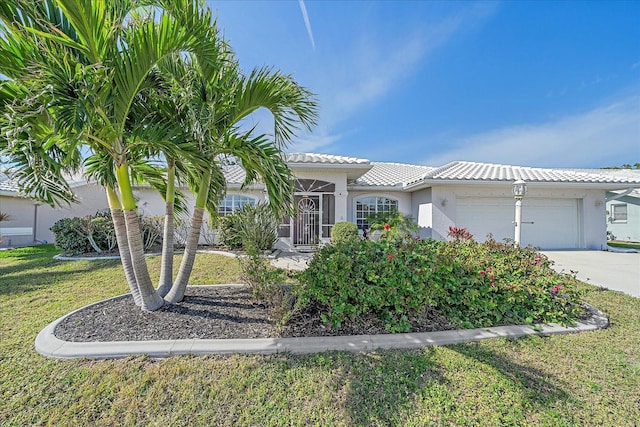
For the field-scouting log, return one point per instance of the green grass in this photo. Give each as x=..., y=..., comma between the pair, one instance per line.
x=589, y=378
x=623, y=244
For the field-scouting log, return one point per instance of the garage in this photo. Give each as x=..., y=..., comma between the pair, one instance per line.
x=556, y=222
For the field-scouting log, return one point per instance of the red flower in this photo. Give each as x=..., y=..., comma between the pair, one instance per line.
x=482, y=272
x=556, y=289
x=390, y=256
x=387, y=227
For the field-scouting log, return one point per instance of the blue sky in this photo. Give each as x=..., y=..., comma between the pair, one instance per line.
x=542, y=83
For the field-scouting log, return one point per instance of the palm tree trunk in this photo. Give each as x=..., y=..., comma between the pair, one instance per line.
x=125, y=255
x=151, y=301
x=120, y=228
x=166, y=265
x=180, y=285
x=186, y=266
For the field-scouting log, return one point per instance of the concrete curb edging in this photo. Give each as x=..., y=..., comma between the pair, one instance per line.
x=48, y=345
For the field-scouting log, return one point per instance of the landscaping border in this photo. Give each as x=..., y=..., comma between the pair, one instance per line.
x=48, y=345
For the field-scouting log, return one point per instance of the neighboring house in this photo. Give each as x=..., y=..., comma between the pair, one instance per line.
x=623, y=215
x=563, y=209
x=30, y=222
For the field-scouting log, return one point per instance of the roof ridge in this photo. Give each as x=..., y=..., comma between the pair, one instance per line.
x=441, y=169
x=401, y=164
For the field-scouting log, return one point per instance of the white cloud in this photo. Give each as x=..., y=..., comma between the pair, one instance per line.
x=313, y=143
x=307, y=23
x=606, y=136
x=376, y=64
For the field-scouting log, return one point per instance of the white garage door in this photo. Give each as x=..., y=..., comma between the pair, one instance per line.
x=555, y=221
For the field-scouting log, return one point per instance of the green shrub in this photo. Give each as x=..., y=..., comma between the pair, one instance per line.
x=249, y=227
x=344, y=232
x=472, y=284
x=95, y=233
x=68, y=237
x=495, y=283
x=229, y=231
x=266, y=283
x=388, y=278
x=257, y=226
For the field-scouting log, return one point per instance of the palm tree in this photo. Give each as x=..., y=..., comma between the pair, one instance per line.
x=78, y=73
x=86, y=61
x=210, y=106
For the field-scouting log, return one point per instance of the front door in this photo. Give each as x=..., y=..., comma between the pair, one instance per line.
x=306, y=226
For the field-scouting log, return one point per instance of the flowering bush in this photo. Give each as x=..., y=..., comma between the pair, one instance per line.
x=459, y=234
x=472, y=284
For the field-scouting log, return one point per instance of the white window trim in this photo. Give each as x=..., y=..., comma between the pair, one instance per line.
x=367, y=196
x=250, y=199
x=613, y=213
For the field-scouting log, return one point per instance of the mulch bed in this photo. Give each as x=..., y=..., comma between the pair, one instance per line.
x=214, y=312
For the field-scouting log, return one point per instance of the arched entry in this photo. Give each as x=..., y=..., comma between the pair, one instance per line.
x=315, y=213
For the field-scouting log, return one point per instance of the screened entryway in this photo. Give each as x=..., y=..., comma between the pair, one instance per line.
x=314, y=213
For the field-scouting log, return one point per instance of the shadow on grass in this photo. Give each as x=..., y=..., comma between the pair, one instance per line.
x=39, y=270
x=536, y=387
x=385, y=387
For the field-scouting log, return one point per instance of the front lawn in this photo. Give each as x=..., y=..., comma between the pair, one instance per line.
x=623, y=244
x=589, y=378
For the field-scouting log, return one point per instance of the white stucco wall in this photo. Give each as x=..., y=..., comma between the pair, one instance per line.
x=422, y=211
x=441, y=205
x=91, y=198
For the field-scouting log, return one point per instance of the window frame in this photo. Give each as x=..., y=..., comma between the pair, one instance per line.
x=616, y=209
x=235, y=204
x=360, y=220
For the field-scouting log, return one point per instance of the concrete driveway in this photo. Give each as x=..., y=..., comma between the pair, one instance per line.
x=612, y=270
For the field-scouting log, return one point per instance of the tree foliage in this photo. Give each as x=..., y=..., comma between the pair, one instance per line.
x=137, y=91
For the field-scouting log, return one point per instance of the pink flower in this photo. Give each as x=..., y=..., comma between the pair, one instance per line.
x=556, y=289
x=482, y=272
x=537, y=259
x=390, y=256
x=387, y=227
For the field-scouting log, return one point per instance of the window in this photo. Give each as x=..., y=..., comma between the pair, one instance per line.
x=619, y=212
x=233, y=202
x=368, y=206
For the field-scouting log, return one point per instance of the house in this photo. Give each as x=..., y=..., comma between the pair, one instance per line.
x=30, y=221
x=623, y=215
x=564, y=208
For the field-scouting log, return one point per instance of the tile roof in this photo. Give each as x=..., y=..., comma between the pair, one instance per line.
x=392, y=174
x=473, y=171
x=234, y=174
x=7, y=184
x=406, y=176
x=324, y=158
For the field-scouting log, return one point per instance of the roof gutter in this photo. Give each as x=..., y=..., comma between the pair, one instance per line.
x=593, y=185
x=618, y=196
